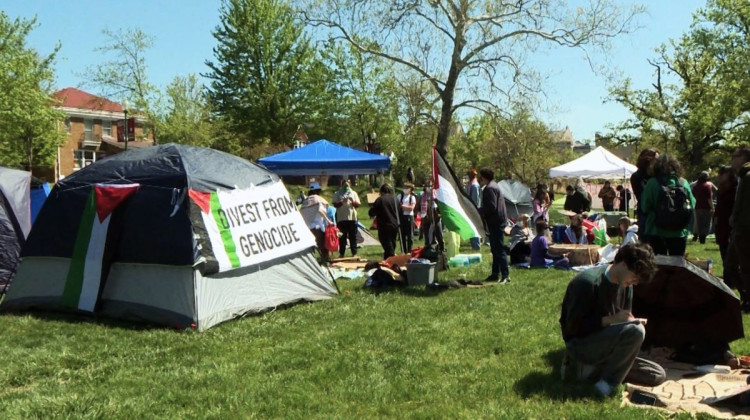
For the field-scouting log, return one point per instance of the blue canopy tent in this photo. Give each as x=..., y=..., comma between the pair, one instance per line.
x=326, y=158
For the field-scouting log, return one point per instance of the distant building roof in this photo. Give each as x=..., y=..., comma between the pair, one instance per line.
x=76, y=98
x=563, y=136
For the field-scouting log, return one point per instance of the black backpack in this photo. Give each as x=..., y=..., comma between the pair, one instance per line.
x=673, y=208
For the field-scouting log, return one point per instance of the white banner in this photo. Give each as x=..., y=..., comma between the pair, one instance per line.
x=254, y=225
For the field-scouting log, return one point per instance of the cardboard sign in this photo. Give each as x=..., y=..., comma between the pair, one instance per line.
x=250, y=226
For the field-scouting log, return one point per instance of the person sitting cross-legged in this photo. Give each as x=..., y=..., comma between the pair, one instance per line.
x=600, y=332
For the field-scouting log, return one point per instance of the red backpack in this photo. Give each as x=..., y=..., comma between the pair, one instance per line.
x=332, y=238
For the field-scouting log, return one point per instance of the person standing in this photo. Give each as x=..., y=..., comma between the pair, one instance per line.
x=576, y=201
x=494, y=215
x=432, y=226
x=540, y=204
x=385, y=209
x=672, y=239
x=727, y=188
x=704, y=206
x=317, y=224
x=639, y=179
x=608, y=195
x=346, y=202
x=407, y=201
x=739, y=242
x=474, y=191
x=624, y=196
x=598, y=327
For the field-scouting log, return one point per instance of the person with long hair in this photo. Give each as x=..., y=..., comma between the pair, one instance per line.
x=664, y=241
x=576, y=233
x=540, y=204
x=640, y=177
x=318, y=222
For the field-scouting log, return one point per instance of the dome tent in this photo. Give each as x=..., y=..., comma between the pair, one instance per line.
x=174, y=235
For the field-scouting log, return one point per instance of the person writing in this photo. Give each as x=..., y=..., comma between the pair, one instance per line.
x=600, y=332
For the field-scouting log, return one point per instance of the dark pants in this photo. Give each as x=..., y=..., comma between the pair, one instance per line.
x=407, y=233
x=738, y=264
x=387, y=237
x=433, y=233
x=320, y=240
x=667, y=246
x=348, y=230
x=609, y=207
x=497, y=247
x=520, y=253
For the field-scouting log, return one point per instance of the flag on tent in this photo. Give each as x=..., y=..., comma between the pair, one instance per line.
x=456, y=209
x=84, y=280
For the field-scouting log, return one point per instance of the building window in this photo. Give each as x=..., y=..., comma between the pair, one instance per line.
x=88, y=129
x=67, y=125
x=83, y=158
x=107, y=128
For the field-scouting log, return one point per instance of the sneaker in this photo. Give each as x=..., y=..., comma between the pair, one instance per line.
x=505, y=280
x=603, y=388
x=492, y=277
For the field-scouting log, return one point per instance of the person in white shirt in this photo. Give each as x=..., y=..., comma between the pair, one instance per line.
x=407, y=201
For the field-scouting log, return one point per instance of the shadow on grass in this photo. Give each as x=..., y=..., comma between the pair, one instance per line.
x=73, y=318
x=547, y=383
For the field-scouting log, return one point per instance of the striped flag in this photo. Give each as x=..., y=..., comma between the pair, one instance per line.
x=84, y=280
x=456, y=209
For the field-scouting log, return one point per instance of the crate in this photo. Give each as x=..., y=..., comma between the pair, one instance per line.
x=419, y=274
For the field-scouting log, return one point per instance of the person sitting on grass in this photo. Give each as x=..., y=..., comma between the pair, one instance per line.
x=600, y=332
x=576, y=233
x=628, y=231
x=519, y=244
x=540, y=256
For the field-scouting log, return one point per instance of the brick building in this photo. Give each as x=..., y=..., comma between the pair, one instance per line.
x=91, y=127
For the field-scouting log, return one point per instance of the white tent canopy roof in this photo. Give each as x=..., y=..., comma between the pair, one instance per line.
x=598, y=163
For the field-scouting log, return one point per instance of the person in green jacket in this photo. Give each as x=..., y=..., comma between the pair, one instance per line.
x=667, y=171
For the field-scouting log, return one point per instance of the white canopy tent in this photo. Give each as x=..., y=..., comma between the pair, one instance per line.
x=598, y=163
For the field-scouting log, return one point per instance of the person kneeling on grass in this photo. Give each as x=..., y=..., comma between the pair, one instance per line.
x=540, y=256
x=600, y=332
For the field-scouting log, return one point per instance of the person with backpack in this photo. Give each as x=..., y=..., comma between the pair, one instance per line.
x=406, y=202
x=667, y=203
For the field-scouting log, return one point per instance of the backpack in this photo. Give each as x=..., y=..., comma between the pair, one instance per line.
x=331, y=238
x=673, y=208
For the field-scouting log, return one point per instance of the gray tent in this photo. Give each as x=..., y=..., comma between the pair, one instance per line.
x=174, y=235
x=517, y=198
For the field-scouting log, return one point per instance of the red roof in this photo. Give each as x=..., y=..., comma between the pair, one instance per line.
x=75, y=98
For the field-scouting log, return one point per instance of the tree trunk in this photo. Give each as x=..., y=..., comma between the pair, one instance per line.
x=446, y=111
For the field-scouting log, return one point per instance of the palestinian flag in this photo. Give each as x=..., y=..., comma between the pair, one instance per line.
x=85, y=274
x=456, y=209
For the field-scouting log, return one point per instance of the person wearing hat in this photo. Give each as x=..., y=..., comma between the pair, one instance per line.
x=346, y=201
x=704, y=206
x=474, y=191
x=318, y=208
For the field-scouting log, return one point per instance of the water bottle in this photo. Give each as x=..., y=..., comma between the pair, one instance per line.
x=710, y=266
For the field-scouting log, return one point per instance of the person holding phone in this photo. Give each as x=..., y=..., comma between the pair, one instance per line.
x=600, y=332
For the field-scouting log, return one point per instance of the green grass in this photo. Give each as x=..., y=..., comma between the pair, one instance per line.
x=491, y=352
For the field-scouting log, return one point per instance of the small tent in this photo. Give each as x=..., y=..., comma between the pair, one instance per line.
x=173, y=235
x=324, y=157
x=517, y=198
x=598, y=163
x=15, y=220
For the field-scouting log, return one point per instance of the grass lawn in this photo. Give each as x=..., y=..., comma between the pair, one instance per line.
x=491, y=352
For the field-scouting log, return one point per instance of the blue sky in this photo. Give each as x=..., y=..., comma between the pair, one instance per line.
x=183, y=42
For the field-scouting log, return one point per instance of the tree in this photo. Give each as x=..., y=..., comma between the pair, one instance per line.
x=471, y=52
x=264, y=73
x=29, y=124
x=707, y=105
x=125, y=75
x=520, y=145
x=188, y=117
